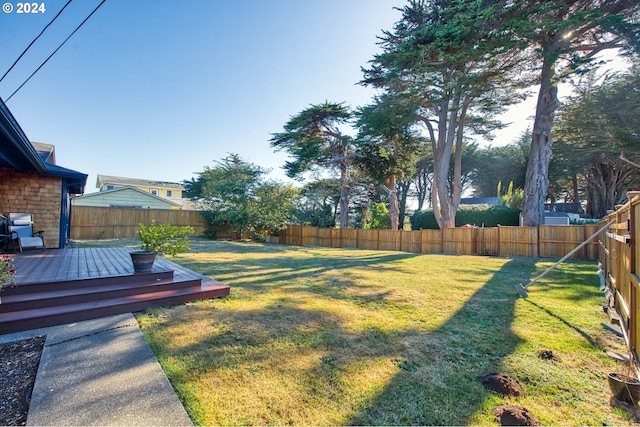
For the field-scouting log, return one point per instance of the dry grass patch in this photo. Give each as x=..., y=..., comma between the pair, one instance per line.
x=314, y=336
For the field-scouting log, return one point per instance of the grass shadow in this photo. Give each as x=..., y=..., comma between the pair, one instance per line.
x=442, y=389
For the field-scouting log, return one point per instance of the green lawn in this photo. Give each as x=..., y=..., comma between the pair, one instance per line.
x=316, y=336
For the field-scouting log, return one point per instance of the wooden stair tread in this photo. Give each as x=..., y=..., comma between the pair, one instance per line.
x=49, y=316
x=53, y=291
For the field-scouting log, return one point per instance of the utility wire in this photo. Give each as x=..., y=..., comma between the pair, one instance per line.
x=54, y=52
x=34, y=40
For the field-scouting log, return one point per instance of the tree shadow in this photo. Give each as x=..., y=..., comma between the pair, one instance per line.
x=474, y=340
x=573, y=283
x=435, y=370
x=252, y=273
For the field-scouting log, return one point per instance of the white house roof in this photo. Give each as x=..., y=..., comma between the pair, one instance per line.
x=134, y=182
x=129, y=188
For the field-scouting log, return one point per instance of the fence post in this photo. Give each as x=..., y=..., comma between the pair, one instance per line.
x=633, y=296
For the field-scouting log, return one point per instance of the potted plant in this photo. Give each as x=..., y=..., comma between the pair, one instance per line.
x=159, y=239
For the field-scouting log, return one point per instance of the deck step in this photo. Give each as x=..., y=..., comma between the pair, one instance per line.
x=54, y=297
x=70, y=285
x=138, y=279
x=42, y=317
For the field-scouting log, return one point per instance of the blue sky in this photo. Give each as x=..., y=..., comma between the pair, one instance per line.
x=159, y=89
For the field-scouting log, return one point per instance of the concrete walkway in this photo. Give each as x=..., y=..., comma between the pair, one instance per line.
x=100, y=372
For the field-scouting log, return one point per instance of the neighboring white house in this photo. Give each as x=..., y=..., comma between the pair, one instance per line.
x=167, y=190
x=125, y=197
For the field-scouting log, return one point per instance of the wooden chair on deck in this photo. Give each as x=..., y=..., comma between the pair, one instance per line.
x=22, y=225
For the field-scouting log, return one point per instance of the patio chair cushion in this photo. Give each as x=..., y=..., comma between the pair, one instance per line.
x=32, y=242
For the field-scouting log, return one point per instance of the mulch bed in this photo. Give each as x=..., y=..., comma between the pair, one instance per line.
x=19, y=363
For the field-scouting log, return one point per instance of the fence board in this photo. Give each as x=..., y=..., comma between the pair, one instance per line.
x=309, y=236
x=368, y=239
x=348, y=238
x=519, y=241
x=555, y=242
x=389, y=240
x=410, y=241
x=324, y=237
x=458, y=241
x=488, y=241
x=431, y=241
x=88, y=222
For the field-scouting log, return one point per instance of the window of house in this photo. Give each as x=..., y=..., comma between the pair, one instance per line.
x=169, y=194
x=154, y=192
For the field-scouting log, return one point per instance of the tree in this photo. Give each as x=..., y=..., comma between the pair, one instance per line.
x=596, y=130
x=513, y=198
x=442, y=57
x=380, y=219
x=423, y=179
x=318, y=203
x=564, y=36
x=314, y=139
x=237, y=196
x=492, y=165
x=389, y=148
x=272, y=207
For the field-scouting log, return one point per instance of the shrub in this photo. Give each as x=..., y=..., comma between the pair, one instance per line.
x=164, y=238
x=379, y=218
x=480, y=215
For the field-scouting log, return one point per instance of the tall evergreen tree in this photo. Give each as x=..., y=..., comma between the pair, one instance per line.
x=564, y=38
x=446, y=58
x=598, y=130
x=389, y=149
x=314, y=140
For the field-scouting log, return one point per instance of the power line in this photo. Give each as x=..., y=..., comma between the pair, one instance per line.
x=55, y=51
x=34, y=40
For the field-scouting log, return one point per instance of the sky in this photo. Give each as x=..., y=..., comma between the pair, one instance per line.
x=161, y=89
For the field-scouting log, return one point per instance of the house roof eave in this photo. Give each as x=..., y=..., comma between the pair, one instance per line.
x=17, y=152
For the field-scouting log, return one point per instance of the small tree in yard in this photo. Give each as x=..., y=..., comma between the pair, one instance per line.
x=379, y=218
x=237, y=196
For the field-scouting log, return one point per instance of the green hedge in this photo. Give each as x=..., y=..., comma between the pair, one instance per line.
x=480, y=215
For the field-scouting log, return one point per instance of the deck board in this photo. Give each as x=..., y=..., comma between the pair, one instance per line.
x=82, y=263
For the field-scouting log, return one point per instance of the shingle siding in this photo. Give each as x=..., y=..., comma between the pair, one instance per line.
x=35, y=194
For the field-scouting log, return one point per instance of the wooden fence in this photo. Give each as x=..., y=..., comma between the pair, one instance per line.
x=117, y=223
x=620, y=258
x=548, y=241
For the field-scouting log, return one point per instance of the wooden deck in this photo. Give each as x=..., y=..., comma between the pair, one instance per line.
x=86, y=263
x=65, y=285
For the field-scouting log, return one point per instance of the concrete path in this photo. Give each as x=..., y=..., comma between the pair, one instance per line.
x=100, y=372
